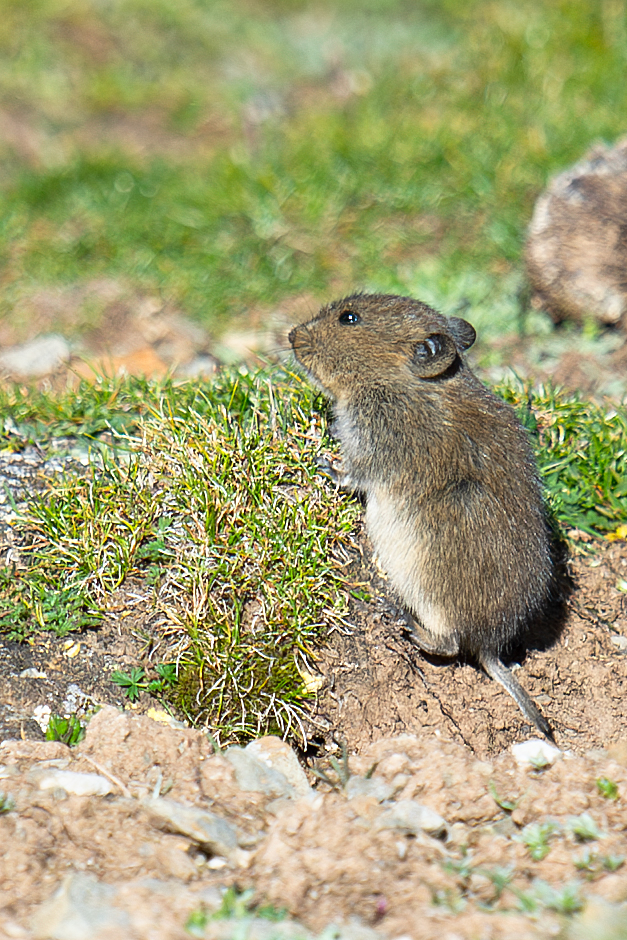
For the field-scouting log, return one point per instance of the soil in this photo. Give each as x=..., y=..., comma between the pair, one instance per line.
x=440, y=734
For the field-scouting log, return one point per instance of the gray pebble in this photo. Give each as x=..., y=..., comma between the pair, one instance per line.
x=377, y=787
x=277, y=754
x=413, y=818
x=209, y=831
x=38, y=357
x=256, y=928
x=81, y=909
x=71, y=781
x=253, y=775
x=32, y=673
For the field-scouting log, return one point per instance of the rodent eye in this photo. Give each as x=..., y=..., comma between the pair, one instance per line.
x=349, y=316
x=428, y=349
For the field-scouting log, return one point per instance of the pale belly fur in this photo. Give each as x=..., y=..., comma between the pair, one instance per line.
x=399, y=552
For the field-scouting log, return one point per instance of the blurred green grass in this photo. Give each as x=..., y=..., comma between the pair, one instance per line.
x=230, y=156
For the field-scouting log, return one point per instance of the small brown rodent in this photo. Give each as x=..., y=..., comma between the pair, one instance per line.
x=454, y=506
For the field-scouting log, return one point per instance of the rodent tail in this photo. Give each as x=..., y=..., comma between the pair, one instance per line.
x=501, y=674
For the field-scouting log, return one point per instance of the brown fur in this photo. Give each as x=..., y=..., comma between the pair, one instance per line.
x=576, y=251
x=453, y=502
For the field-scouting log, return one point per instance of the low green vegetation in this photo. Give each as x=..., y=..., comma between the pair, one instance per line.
x=69, y=731
x=593, y=864
x=584, y=828
x=538, y=897
x=136, y=681
x=237, y=906
x=543, y=896
x=507, y=805
x=537, y=836
x=209, y=497
x=607, y=788
x=582, y=454
x=7, y=803
x=216, y=505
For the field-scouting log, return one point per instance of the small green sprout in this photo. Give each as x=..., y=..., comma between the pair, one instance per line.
x=612, y=862
x=339, y=767
x=593, y=863
x=500, y=876
x=536, y=837
x=588, y=861
x=526, y=901
x=136, y=681
x=234, y=904
x=270, y=912
x=67, y=730
x=196, y=923
x=450, y=899
x=462, y=867
x=607, y=788
x=506, y=805
x=131, y=683
x=361, y=595
x=583, y=828
x=539, y=762
x=565, y=900
x=7, y=803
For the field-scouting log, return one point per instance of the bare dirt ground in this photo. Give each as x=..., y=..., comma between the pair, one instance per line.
x=440, y=735
x=133, y=850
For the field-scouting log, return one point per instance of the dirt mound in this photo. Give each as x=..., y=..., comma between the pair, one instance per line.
x=376, y=682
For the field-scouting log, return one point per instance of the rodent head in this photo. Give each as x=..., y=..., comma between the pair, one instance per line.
x=367, y=339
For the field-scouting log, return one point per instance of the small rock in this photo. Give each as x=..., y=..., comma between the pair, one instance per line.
x=38, y=357
x=160, y=715
x=12, y=930
x=216, y=863
x=33, y=750
x=8, y=770
x=80, y=784
x=535, y=753
x=81, y=909
x=257, y=928
x=208, y=830
x=175, y=861
x=412, y=818
x=254, y=775
x=620, y=641
x=276, y=753
x=32, y=673
x=394, y=764
x=41, y=714
x=599, y=921
x=353, y=930
x=199, y=366
x=376, y=787
x=74, y=700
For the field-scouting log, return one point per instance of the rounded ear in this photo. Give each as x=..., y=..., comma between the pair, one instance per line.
x=463, y=332
x=434, y=355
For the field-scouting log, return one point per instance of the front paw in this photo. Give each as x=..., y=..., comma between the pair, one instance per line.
x=334, y=469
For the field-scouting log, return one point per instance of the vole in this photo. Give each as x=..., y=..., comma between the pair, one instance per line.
x=454, y=506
